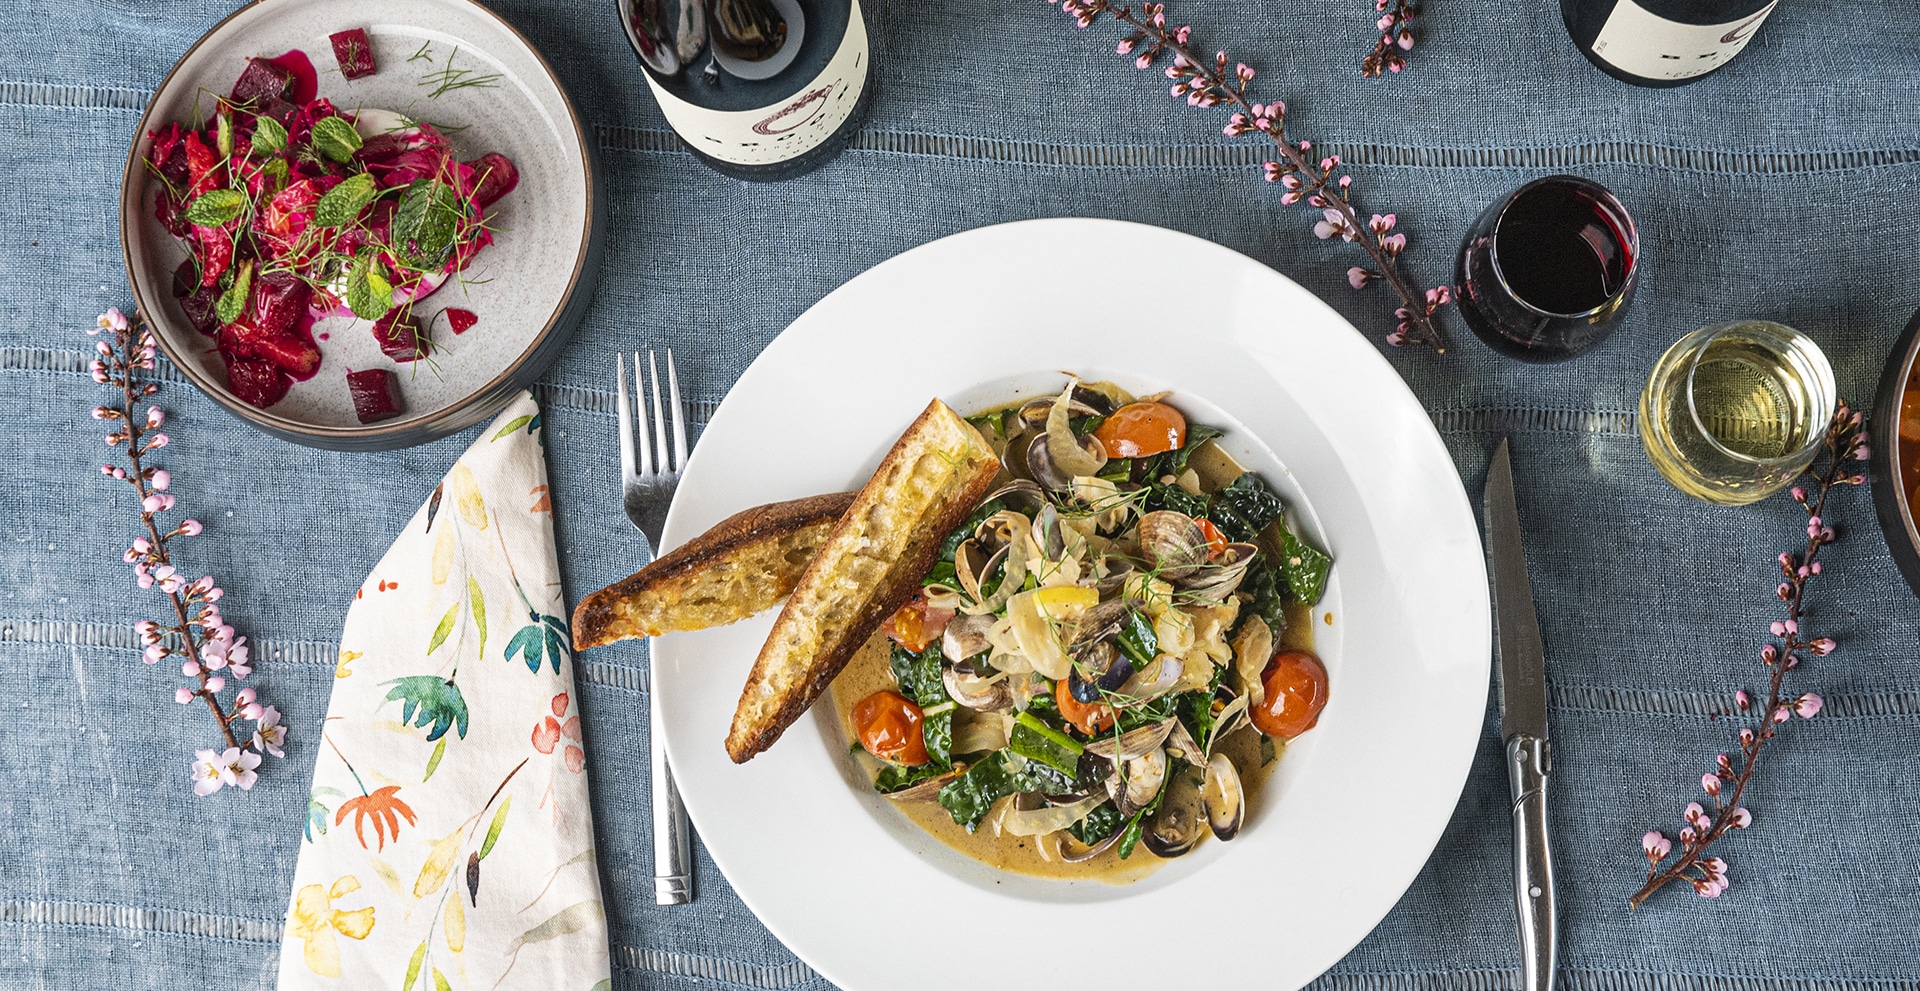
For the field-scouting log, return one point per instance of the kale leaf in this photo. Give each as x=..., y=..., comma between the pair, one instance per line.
x=1163, y=496
x=1306, y=568
x=1098, y=825
x=969, y=797
x=894, y=777
x=1268, y=588
x=1137, y=639
x=1244, y=508
x=918, y=675
x=1038, y=742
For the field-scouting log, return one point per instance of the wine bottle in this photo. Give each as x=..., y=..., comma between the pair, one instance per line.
x=1663, y=42
x=761, y=90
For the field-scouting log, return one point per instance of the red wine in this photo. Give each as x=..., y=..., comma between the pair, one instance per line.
x=1546, y=273
x=1663, y=42
x=757, y=89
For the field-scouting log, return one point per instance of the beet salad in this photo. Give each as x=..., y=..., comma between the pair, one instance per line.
x=291, y=210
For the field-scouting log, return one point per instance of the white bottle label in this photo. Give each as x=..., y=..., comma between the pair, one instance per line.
x=788, y=129
x=1644, y=44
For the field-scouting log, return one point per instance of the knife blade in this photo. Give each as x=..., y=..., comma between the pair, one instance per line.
x=1522, y=681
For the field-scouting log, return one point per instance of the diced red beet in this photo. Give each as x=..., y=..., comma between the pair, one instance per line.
x=376, y=394
x=262, y=81
x=497, y=177
x=401, y=337
x=306, y=81
x=278, y=300
x=171, y=211
x=257, y=383
x=279, y=110
x=290, y=354
x=354, y=53
x=461, y=320
x=196, y=300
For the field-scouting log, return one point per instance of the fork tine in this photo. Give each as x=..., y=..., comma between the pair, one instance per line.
x=679, y=417
x=659, y=418
x=623, y=415
x=640, y=399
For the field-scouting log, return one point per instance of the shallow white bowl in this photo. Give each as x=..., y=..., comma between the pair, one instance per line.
x=529, y=288
x=993, y=314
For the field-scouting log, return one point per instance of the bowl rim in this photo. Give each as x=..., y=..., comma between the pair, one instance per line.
x=489, y=391
x=1891, y=502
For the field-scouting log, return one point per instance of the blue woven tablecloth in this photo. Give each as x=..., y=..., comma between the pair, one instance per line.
x=1781, y=188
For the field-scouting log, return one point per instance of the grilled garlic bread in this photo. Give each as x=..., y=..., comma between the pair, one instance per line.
x=746, y=563
x=873, y=560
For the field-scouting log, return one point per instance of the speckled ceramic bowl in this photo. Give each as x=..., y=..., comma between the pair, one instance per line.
x=1892, y=500
x=529, y=288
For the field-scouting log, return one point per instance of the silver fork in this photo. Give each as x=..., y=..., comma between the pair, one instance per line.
x=646, y=494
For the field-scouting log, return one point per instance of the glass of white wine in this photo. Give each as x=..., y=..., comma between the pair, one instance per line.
x=1733, y=412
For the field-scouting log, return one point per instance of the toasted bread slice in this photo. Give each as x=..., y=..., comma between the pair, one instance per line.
x=747, y=562
x=871, y=563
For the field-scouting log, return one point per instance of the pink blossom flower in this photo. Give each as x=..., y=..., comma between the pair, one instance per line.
x=159, y=440
x=1382, y=223
x=1782, y=714
x=154, y=653
x=1656, y=845
x=268, y=734
x=183, y=695
x=210, y=772
x=1808, y=706
x=244, y=698
x=160, y=478
x=216, y=683
x=241, y=767
x=155, y=417
x=1358, y=277
x=1740, y=818
x=1710, y=783
x=1394, y=244
x=1740, y=699
x=1822, y=646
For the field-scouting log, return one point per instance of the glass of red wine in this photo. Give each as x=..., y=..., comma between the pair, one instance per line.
x=1546, y=273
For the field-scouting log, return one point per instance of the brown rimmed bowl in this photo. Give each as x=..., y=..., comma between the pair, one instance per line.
x=1892, y=497
x=529, y=288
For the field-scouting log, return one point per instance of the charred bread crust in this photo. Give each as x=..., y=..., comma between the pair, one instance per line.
x=642, y=604
x=816, y=634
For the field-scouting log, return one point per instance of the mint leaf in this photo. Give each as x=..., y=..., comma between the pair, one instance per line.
x=216, y=207
x=268, y=136
x=336, y=138
x=233, y=302
x=344, y=202
x=425, y=225
x=369, y=294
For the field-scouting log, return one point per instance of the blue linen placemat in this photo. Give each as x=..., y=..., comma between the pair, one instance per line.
x=1780, y=188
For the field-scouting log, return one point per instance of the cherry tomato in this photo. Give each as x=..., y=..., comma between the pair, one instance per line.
x=889, y=728
x=1087, y=717
x=1296, y=684
x=1216, y=541
x=1138, y=430
x=908, y=625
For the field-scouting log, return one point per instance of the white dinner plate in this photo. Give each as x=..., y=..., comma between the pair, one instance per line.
x=991, y=315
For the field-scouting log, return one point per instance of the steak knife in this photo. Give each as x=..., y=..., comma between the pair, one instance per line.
x=1523, y=725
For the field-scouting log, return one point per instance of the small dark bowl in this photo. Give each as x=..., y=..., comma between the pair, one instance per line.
x=1891, y=500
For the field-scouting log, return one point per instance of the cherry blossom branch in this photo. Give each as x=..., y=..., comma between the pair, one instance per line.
x=1315, y=183
x=197, y=631
x=1846, y=443
x=1396, y=32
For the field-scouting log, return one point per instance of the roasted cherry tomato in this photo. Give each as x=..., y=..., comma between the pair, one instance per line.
x=1087, y=717
x=1138, y=430
x=1296, y=684
x=1216, y=541
x=889, y=728
x=908, y=625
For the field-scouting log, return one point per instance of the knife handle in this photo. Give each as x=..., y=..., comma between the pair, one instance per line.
x=1533, y=905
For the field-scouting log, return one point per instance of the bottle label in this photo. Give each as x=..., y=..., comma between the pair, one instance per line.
x=785, y=130
x=1643, y=44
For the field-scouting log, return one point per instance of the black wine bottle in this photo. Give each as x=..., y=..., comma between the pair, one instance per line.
x=1662, y=42
x=758, y=89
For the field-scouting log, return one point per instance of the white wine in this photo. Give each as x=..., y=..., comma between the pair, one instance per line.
x=1734, y=412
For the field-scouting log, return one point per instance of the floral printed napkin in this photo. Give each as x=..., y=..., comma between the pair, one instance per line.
x=449, y=840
